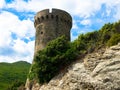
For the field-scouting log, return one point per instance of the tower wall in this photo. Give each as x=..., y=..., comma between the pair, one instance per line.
x=50, y=25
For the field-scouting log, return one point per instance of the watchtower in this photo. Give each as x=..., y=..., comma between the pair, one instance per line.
x=50, y=25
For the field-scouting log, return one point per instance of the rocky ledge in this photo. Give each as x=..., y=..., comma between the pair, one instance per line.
x=96, y=71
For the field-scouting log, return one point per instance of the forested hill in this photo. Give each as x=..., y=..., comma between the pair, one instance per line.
x=11, y=73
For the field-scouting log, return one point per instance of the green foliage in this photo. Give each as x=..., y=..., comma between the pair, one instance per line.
x=59, y=52
x=117, y=27
x=114, y=40
x=10, y=72
x=15, y=85
x=108, y=35
x=87, y=42
x=106, y=32
x=50, y=60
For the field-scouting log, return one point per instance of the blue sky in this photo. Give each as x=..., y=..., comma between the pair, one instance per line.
x=17, y=32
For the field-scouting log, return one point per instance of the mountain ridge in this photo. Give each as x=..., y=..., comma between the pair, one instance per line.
x=11, y=72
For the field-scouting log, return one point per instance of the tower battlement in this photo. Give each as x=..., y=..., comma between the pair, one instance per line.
x=50, y=25
x=56, y=14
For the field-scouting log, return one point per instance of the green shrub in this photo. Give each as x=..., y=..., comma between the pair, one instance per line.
x=114, y=40
x=15, y=85
x=86, y=42
x=50, y=60
x=59, y=52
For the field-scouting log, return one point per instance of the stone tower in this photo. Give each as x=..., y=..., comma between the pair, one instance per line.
x=50, y=25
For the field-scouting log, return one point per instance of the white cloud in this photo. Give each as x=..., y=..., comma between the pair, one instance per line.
x=74, y=26
x=15, y=58
x=2, y=3
x=81, y=8
x=24, y=50
x=20, y=46
x=117, y=7
x=86, y=22
x=10, y=23
x=32, y=5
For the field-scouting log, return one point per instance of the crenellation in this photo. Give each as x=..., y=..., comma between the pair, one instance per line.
x=58, y=14
x=51, y=17
x=50, y=25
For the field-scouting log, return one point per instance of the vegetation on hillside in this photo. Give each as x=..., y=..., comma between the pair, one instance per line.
x=11, y=73
x=59, y=52
x=107, y=36
x=49, y=61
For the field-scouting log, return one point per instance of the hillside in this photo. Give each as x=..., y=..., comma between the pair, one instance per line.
x=96, y=71
x=60, y=53
x=11, y=72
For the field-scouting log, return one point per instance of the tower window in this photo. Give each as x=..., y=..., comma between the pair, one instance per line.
x=42, y=18
x=38, y=19
x=61, y=19
x=52, y=16
x=41, y=32
x=56, y=17
x=47, y=16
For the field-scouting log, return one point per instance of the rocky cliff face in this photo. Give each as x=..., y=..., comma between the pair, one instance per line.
x=96, y=71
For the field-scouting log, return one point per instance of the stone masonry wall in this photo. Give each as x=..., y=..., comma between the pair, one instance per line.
x=50, y=25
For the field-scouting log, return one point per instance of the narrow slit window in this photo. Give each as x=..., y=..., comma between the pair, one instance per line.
x=42, y=18
x=38, y=19
x=41, y=32
x=47, y=16
x=56, y=17
x=52, y=16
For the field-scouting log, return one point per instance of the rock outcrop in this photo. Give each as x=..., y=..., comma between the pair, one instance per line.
x=96, y=71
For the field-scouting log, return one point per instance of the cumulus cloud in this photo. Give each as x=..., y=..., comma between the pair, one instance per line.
x=86, y=22
x=117, y=7
x=75, y=26
x=84, y=8
x=74, y=7
x=10, y=23
x=2, y=3
x=16, y=34
x=81, y=8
